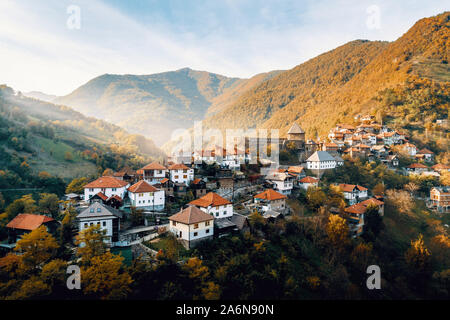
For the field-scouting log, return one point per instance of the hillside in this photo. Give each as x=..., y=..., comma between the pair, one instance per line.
x=352, y=79
x=154, y=105
x=42, y=137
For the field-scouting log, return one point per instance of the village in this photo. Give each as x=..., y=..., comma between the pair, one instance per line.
x=214, y=192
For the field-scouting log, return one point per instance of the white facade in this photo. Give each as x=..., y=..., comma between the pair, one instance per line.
x=109, y=192
x=148, y=200
x=322, y=165
x=105, y=223
x=184, y=176
x=154, y=176
x=219, y=212
x=190, y=232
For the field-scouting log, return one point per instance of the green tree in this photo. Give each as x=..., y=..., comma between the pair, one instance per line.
x=49, y=204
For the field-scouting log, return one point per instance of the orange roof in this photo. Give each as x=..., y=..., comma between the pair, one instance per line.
x=164, y=180
x=178, y=166
x=154, y=166
x=295, y=169
x=141, y=187
x=425, y=151
x=116, y=197
x=331, y=145
x=124, y=171
x=309, y=180
x=102, y=196
x=356, y=209
x=417, y=165
x=440, y=166
x=196, y=181
x=28, y=221
x=349, y=187
x=270, y=195
x=372, y=201
x=210, y=199
x=191, y=215
x=106, y=182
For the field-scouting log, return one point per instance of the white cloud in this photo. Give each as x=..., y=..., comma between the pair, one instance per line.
x=38, y=51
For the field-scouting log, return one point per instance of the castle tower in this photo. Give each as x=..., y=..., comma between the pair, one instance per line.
x=296, y=133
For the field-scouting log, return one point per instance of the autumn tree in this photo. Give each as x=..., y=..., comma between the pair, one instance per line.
x=412, y=188
x=91, y=243
x=337, y=231
x=418, y=258
x=445, y=178
x=315, y=197
x=36, y=248
x=77, y=185
x=105, y=278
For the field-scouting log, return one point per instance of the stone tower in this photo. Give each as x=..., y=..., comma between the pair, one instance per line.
x=296, y=133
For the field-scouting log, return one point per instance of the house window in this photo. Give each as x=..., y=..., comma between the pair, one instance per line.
x=99, y=209
x=85, y=225
x=217, y=214
x=196, y=226
x=91, y=190
x=207, y=223
x=195, y=234
x=185, y=176
x=98, y=223
x=91, y=210
x=104, y=223
x=141, y=194
x=174, y=223
x=207, y=231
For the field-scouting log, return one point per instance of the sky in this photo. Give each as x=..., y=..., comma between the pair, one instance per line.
x=54, y=46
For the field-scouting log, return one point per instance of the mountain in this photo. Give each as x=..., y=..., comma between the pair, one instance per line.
x=40, y=96
x=155, y=105
x=405, y=81
x=62, y=142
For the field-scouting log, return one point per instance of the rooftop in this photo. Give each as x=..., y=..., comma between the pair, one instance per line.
x=191, y=215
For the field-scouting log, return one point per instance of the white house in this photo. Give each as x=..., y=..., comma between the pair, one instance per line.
x=353, y=193
x=410, y=149
x=145, y=196
x=109, y=186
x=180, y=173
x=191, y=225
x=214, y=205
x=153, y=172
x=321, y=160
x=427, y=154
x=306, y=182
x=271, y=200
x=101, y=215
x=281, y=181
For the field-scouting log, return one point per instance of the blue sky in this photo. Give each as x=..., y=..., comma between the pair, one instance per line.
x=237, y=38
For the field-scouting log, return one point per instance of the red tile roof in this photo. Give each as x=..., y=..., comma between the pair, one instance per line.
x=178, y=166
x=349, y=187
x=425, y=151
x=440, y=166
x=309, y=180
x=27, y=221
x=191, y=215
x=417, y=165
x=141, y=187
x=102, y=196
x=296, y=169
x=164, y=180
x=270, y=195
x=372, y=201
x=356, y=209
x=106, y=182
x=210, y=199
x=154, y=166
x=196, y=181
